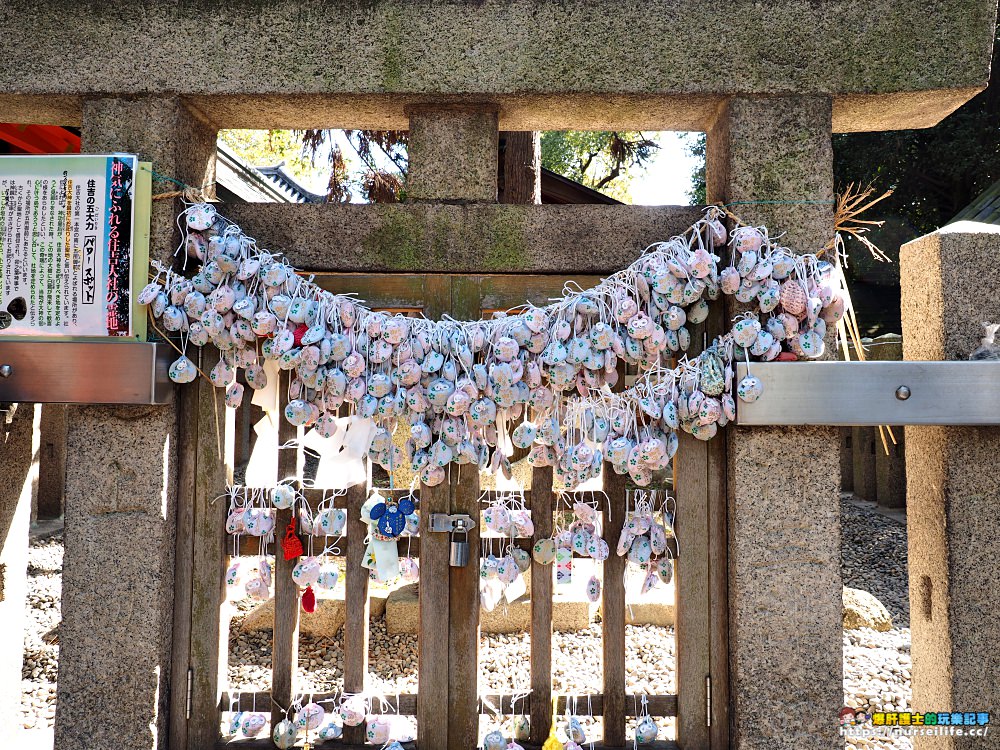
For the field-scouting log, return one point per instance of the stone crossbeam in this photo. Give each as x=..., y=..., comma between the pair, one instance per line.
x=575, y=64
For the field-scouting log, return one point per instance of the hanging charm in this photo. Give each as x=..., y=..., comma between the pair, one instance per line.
x=291, y=545
x=309, y=600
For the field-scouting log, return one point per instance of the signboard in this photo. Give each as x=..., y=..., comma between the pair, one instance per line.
x=68, y=245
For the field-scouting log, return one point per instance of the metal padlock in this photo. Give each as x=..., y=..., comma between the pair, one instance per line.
x=459, y=556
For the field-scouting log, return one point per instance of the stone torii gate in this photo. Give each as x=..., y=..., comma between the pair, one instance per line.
x=768, y=82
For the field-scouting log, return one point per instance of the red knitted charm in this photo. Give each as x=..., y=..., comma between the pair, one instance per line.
x=291, y=545
x=308, y=600
x=298, y=333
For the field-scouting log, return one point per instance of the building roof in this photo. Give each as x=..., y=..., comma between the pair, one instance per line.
x=237, y=180
x=984, y=209
x=559, y=189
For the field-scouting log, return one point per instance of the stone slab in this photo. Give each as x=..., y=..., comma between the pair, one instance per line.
x=460, y=239
x=846, y=460
x=402, y=614
x=863, y=610
x=452, y=153
x=340, y=64
x=890, y=467
x=864, y=445
x=52, y=474
x=571, y=610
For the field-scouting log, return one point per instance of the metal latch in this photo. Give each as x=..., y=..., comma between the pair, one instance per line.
x=448, y=523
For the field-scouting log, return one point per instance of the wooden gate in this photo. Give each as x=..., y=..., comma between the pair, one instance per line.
x=447, y=705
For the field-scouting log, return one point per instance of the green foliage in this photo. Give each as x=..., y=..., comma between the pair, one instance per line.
x=380, y=174
x=696, y=148
x=934, y=173
x=604, y=160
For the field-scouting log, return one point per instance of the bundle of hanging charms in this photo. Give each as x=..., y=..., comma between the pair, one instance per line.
x=581, y=536
x=249, y=514
x=389, y=519
x=501, y=577
x=647, y=536
x=460, y=386
x=576, y=735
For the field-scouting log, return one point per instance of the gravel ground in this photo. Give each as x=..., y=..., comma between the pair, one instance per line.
x=41, y=650
x=876, y=665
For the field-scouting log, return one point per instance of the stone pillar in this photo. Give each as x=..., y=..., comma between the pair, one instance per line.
x=52, y=472
x=953, y=487
x=18, y=485
x=453, y=153
x=890, y=468
x=785, y=643
x=118, y=569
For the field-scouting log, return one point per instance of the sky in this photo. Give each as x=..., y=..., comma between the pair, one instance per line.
x=665, y=182
x=668, y=178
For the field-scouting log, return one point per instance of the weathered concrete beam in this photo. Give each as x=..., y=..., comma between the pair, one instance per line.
x=479, y=238
x=292, y=63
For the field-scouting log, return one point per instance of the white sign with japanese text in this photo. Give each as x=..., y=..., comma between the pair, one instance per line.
x=66, y=244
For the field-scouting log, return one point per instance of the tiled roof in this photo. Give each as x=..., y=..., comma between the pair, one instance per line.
x=984, y=209
x=287, y=184
x=239, y=180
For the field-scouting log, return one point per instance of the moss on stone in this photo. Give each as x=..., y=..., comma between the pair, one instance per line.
x=392, y=70
x=442, y=233
x=398, y=243
x=508, y=249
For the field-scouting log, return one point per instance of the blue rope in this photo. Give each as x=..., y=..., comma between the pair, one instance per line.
x=166, y=178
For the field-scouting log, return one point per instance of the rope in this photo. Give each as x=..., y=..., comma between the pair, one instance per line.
x=188, y=192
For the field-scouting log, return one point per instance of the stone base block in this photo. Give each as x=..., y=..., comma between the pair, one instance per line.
x=402, y=614
x=327, y=620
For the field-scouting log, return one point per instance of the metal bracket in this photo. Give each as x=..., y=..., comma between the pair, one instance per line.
x=447, y=523
x=873, y=393
x=85, y=372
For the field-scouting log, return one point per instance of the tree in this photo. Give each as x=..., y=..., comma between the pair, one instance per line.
x=604, y=160
x=383, y=163
x=698, y=192
x=308, y=154
x=372, y=164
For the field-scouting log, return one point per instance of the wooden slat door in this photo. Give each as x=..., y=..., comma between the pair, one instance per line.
x=448, y=705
